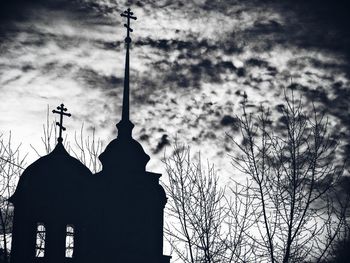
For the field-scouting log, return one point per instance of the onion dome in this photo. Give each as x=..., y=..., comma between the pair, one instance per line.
x=52, y=180
x=124, y=153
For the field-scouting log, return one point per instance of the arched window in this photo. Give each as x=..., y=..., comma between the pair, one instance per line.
x=69, y=241
x=40, y=240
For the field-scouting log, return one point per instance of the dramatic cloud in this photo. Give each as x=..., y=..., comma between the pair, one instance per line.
x=191, y=63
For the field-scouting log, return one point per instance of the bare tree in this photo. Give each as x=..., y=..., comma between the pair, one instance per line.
x=49, y=136
x=200, y=226
x=339, y=249
x=11, y=165
x=87, y=149
x=294, y=171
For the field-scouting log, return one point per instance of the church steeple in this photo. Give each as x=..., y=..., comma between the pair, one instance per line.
x=124, y=153
x=55, y=195
x=125, y=126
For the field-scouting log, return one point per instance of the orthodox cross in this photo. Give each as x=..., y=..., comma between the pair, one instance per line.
x=129, y=15
x=125, y=125
x=62, y=113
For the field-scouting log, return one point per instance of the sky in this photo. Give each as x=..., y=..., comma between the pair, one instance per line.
x=191, y=62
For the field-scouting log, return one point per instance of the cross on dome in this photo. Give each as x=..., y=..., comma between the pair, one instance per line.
x=61, y=112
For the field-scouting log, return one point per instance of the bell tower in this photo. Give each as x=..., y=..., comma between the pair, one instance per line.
x=131, y=229
x=64, y=213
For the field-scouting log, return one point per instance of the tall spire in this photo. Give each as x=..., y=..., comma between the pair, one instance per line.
x=125, y=126
x=124, y=153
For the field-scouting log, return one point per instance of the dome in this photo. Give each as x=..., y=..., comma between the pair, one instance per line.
x=55, y=177
x=124, y=154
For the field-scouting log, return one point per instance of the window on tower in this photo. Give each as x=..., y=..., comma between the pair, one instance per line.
x=69, y=241
x=40, y=240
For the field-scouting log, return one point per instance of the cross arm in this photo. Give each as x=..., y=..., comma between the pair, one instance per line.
x=63, y=113
x=129, y=16
x=61, y=126
x=67, y=114
x=129, y=28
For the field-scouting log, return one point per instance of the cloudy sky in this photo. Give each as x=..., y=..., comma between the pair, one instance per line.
x=191, y=61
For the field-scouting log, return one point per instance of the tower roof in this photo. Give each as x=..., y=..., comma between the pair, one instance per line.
x=52, y=176
x=124, y=153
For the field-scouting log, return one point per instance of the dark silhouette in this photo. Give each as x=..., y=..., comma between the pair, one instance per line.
x=62, y=113
x=64, y=213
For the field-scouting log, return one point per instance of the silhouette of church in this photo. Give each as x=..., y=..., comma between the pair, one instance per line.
x=64, y=213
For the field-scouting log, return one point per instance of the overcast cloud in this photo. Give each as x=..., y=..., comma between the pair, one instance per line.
x=191, y=62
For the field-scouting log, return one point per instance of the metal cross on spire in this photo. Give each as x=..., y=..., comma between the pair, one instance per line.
x=62, y=113
x=125, y=126
x=129, y=15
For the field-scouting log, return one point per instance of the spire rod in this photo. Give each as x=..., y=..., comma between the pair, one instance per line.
x=125, y=126
x=62, y=113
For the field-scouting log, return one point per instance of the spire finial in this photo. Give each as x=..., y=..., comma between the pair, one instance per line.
x=125, y=125
x=62, y=113
x=129, y=15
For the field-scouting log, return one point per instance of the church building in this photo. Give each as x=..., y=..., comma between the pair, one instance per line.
x=64, y=213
